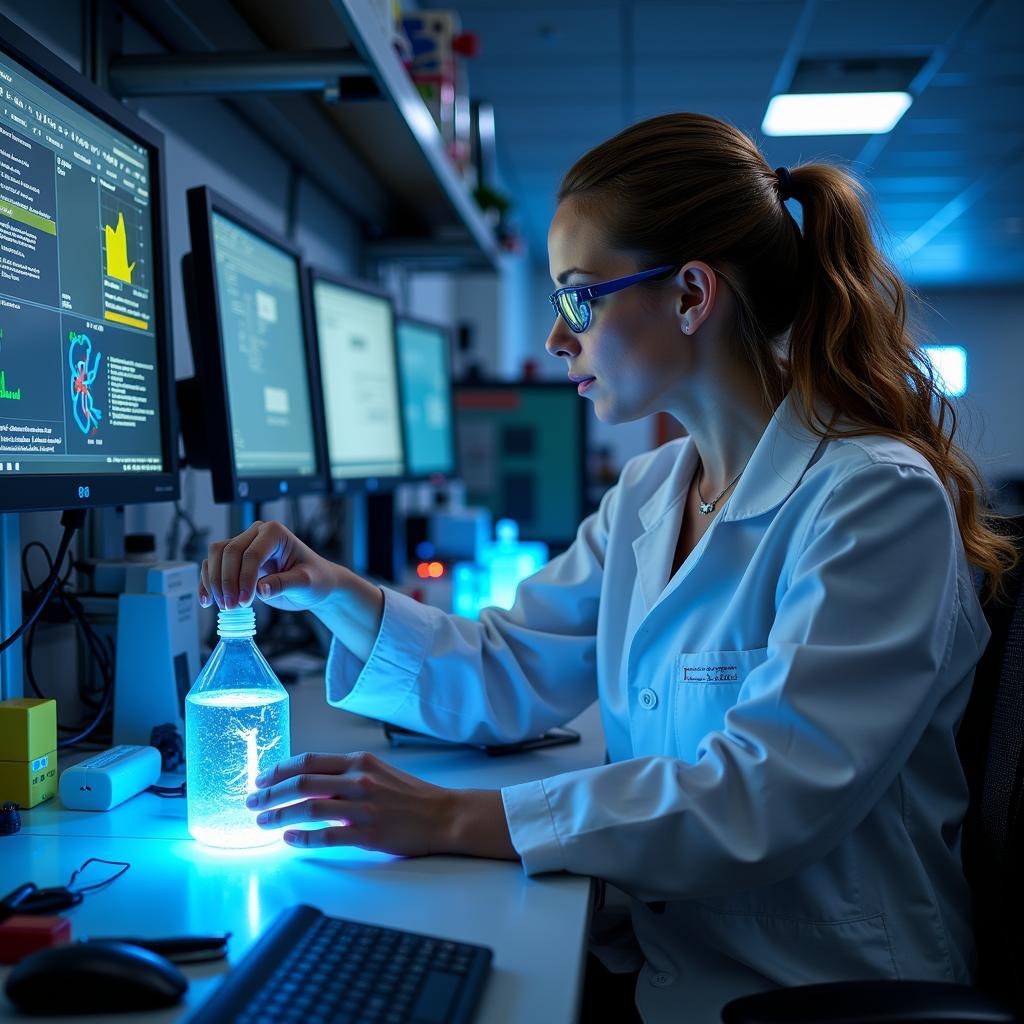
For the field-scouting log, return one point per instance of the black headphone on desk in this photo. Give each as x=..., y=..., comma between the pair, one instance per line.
x=30, y=899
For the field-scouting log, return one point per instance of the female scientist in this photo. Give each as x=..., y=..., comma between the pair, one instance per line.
x=776, y=613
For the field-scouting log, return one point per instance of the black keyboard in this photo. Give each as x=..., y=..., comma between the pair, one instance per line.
x=309, y=968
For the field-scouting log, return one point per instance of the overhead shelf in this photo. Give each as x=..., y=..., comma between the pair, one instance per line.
x=382, y=158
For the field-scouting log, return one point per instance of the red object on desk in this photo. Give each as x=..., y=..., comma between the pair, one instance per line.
x=23, y=934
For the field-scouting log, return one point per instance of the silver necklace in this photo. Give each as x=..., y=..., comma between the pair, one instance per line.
x=707, y=507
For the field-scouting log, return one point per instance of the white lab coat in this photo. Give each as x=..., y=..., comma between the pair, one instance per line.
x=783, y=799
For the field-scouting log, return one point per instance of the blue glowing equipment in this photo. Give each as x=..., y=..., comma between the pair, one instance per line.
x=495, y=576
x=236, y=727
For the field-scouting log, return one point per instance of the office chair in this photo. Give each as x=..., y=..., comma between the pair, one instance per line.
x=991, y=747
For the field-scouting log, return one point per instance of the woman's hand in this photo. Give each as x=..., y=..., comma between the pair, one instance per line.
x=270, y=560
x=377, y=807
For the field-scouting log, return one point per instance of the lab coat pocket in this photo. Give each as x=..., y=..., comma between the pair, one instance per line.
x=706, y=685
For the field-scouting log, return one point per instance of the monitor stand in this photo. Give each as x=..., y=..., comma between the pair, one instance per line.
x=11, y=684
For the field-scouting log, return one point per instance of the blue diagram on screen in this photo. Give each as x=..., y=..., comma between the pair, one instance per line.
x=84, y=367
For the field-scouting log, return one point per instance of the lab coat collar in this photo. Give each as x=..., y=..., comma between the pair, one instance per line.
x=787, y=447
x=671, y=491
x=778, y=462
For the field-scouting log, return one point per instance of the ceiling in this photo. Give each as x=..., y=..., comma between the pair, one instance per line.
x=565, y=74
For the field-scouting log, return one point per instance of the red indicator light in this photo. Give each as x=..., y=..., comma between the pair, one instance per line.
x=423, y=570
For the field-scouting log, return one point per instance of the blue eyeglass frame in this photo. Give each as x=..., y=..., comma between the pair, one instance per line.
x=584, y=294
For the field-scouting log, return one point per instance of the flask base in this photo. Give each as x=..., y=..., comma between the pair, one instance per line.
x=226, y=839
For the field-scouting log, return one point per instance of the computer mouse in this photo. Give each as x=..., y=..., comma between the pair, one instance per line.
x=94, y=977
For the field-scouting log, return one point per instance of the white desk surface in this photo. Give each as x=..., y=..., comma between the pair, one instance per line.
x=536, y=927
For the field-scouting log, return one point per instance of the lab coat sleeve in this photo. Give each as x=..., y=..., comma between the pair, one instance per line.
x=511, y=675
x=856, y=665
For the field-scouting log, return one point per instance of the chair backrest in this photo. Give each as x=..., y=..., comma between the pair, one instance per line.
x=991, y=745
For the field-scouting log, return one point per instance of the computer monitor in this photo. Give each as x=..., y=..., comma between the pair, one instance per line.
x=424, y=361
x=253, y=391
x=357, y=365
x=86, y=374
x=522, y=453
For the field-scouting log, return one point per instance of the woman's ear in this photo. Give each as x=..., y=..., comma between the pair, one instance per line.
x=697, y=287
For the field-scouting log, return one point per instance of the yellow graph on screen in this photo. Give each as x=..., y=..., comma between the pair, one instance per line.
x=117, y=251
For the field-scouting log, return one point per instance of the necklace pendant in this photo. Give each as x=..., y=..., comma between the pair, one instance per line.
x=707, y=507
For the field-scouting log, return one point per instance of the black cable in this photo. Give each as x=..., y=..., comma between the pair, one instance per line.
x=100, y=648
x=122, y=864
x=168, y=792
x=72, y=520
x=70, y=741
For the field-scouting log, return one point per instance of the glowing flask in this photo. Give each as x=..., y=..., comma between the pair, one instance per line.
x=236, y=727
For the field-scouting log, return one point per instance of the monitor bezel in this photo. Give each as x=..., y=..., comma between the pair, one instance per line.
x=582, y=414
x=367, y=483
x=46, y=491
x=438, y=476
x=229, y=485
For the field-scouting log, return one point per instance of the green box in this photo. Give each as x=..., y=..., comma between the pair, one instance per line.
x=28, y=728
x=28, y=783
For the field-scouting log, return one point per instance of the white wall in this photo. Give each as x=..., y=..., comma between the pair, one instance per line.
x=990, y=326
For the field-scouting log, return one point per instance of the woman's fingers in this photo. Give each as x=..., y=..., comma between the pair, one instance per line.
x=307, y=787
x=231, y=563
x=215, y=562
x=344, y=835
x=270, y=543
x=314, y=764
x=311, y=810
x=205, y=590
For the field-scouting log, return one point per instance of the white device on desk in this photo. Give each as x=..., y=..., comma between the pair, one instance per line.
x=157, y=643
x=108, y=779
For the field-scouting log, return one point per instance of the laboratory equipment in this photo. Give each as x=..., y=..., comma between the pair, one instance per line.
x=357, y=367
x=493, y=579
x=104, y=780
x=86, y=410
x=151, y=610
x=236, y=728
x=424, y=360
x=250, y=414
x=522, y=450
x=86, y=373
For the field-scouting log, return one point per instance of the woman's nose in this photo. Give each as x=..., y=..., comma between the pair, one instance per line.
x=561, y=341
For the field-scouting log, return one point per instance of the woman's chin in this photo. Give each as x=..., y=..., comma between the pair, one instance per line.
x=611, y=413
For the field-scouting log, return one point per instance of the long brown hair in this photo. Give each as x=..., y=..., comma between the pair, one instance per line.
x=821, y=313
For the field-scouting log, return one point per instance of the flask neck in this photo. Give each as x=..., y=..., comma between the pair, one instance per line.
x=236, y=623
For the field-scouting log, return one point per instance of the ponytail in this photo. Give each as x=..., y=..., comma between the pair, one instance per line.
x=821, y=314
x=849, y=345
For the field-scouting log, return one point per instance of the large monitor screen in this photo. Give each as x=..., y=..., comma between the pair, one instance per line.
x=82, y=336
x=259, y=303
x=355, y=333
x=522, y=454
x=423, y=359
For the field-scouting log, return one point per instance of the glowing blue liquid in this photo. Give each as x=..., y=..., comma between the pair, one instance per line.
x=231, y=736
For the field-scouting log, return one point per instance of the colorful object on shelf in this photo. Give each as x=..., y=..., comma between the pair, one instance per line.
x=435, y=40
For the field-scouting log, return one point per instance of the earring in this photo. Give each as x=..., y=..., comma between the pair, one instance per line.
x=686, y=327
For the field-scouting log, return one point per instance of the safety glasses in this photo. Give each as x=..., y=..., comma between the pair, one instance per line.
x=573, y=304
